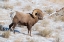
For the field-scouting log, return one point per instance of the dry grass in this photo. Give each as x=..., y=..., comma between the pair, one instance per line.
x=2, y=23
x=6, y=0
x=57, y=39
x=30, y=40
x=18, y=3
x=36, y=27
x=57, y=1
x=49, y=10
x=45, y=4
x=28, y=7
x=30, y=0
x=59, y=15
x=62, y=18
x=45, y=32
x=6, y=34
x=58, y=18
x=44, y=23
x=18, y=40
x=6, y=6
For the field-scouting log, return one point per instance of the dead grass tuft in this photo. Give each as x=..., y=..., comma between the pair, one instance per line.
x=6, y=34
x=6, y=0
x=59, y=18
x=44, y=23
x=62, y=18
x=18, y=40
x=30, y=40
x=2, y=23
x=57, y=1
x=28, y=7
x=18, y=3
x=49, y=10
x=6, y=6
x=45, y=32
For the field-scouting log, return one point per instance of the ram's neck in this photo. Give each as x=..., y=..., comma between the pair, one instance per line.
x=36, y=19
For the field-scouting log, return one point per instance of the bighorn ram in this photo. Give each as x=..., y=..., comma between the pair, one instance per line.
x=26, y=19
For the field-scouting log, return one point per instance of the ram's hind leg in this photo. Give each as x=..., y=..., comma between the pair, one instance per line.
x=14, y=27
x=10, y=26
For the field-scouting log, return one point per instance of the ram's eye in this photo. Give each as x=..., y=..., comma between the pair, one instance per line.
x=35, y=13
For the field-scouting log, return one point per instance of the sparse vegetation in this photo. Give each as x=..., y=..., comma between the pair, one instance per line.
x=30, y=40
x=6, y=34
x=57, y=40
x=58, y=18
x=45, y=32
x=7, y=6
x=62, y=18
x=18, y=3
x=49, y=10
x=44, y=23
x=4, y=0
x=18, y=40
x=2, y=23
x=28, y=7
x=57, y=1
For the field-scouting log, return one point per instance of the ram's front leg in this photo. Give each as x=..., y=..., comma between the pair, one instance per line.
x=29, y=29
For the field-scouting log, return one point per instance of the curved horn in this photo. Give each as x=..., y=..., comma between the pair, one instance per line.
x=35, y=11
